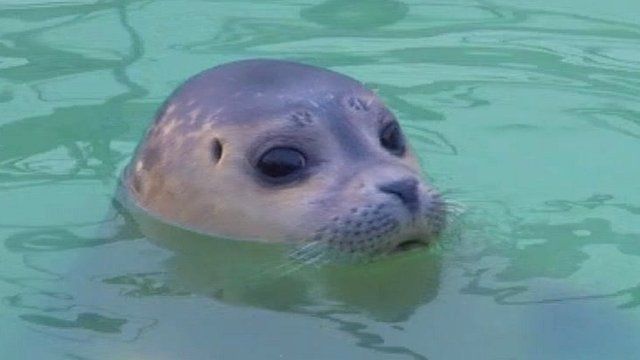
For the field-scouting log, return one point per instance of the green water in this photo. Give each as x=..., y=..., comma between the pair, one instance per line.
x=525, y=112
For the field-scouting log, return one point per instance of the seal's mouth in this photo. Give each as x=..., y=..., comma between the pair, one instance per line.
x=410, y=244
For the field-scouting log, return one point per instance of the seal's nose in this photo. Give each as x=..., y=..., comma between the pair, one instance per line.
x=406, y=189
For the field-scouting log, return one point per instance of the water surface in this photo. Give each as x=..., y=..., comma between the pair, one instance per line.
x=526, y=112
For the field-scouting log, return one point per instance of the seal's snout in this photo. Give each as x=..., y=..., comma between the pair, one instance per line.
x=406, y=190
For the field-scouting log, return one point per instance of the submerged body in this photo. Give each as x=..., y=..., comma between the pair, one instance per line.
x=284, y=152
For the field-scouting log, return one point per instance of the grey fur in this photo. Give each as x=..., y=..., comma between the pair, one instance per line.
x=195, y=166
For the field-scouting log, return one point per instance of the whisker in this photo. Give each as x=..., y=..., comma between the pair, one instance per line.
x=302, y=249
x=310, y=254
x=290, y=268
x=317, y=261
x=452, y=207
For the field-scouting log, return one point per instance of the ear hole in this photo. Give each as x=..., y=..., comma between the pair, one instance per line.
x=216, y=150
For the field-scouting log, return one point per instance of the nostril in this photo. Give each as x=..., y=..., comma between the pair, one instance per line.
x=405, y=189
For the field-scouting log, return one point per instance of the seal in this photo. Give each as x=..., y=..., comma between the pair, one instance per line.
x=279, y=151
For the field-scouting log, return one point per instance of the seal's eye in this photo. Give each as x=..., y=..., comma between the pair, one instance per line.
x=391, y=139
x=280, y=162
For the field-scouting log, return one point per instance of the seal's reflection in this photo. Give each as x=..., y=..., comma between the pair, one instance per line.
x=262, y=275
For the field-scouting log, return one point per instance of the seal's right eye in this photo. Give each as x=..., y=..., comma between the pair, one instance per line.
x=280, y=162
x=391, y=139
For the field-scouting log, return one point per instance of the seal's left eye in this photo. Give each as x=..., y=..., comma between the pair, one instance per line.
x=280, y=162
x=391, y=139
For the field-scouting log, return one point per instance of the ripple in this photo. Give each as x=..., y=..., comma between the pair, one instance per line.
x=82, y=324
x=345, y=15
x=528, y=114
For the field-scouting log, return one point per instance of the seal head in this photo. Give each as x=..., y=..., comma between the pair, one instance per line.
x=280, y=151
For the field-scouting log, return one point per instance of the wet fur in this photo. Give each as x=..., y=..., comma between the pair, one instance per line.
x=242, y=108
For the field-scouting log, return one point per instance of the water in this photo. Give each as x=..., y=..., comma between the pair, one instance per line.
x=526, y=112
